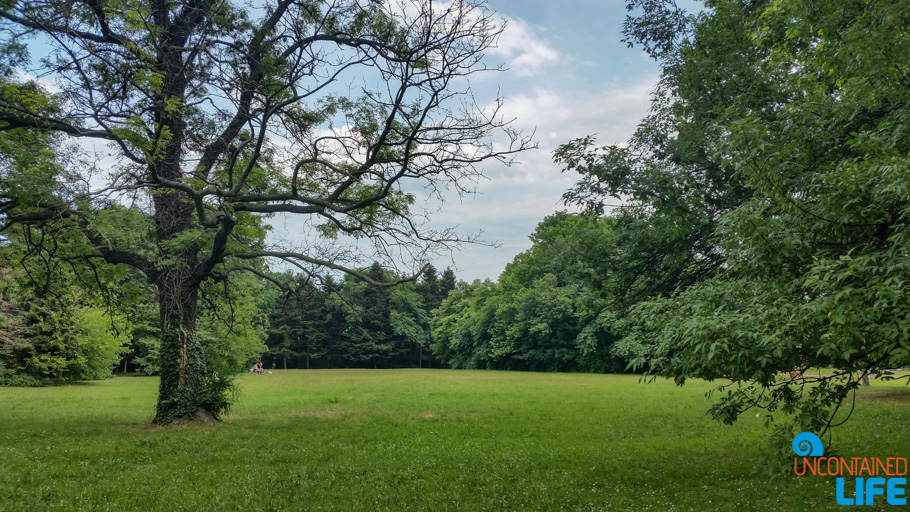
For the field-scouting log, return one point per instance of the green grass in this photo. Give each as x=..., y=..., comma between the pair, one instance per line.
x=413, y=440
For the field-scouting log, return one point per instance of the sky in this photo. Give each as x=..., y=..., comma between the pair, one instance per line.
x=569, y=75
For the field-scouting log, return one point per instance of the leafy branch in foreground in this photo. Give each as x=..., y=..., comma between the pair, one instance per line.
x=765, y=226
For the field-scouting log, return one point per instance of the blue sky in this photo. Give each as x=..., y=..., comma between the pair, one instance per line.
x=569, y=76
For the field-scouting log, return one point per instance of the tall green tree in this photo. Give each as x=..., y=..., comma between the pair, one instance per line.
x=382, y=326
x=233, y=323
x=219, y=115
x=429, y=289
x=462, y=324
x=296, y=327
x=447, y=283
x=367, y=337
x=546, y=313
x=53, y=329
x=799, y=109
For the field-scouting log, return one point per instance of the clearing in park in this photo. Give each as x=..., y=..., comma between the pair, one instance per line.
x=413, y=440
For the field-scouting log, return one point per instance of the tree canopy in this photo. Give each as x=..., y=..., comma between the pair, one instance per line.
x=767, y=201
x=352, y=323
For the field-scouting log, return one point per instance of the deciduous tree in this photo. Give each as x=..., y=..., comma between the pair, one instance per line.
x=219, y=115
x=775, y=169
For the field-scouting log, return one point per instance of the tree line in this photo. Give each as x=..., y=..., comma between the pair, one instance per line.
x=65, y=323
x=353, y=324
x=64, y=326
x=547, y=311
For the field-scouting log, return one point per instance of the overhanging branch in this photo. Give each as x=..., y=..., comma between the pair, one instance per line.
x=292, y=256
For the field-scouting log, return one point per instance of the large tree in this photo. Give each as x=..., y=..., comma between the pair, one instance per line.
x=220, y=114
x=776, y=164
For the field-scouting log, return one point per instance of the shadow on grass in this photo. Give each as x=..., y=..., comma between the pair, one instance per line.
x=892, y=395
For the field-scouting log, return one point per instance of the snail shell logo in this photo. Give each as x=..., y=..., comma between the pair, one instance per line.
x=808, y=444
x=868, y=477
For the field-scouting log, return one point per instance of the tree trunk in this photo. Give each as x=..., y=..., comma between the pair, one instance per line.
x=185, y=392
x=182, y=394
x=285, y=362
x=308, y=361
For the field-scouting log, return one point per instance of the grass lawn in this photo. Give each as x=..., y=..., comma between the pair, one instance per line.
x=413, y=440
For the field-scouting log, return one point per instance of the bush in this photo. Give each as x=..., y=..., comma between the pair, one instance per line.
x=22, y=381
x=62, y=343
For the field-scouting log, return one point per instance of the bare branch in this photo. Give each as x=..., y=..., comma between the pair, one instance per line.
x=291, y=256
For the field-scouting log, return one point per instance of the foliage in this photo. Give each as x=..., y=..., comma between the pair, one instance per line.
x=182, y=399
x=148, y=359
x=461, y=325
x=297, y=326
x=50, y=330
x=327, y=324
x=434, y=289
x=63, y=343
x=231, y=329
x=769, y=185
x=145, y=339
x=546, y=313
x=380, y=325
x=232, y=324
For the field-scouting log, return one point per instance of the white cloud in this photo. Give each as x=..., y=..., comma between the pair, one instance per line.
x=562, y=115
x=514, y=200
x=526, y=54
x=556, y=117
x=48, y=84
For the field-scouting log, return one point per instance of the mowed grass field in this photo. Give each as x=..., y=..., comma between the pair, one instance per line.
x=413, y=440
